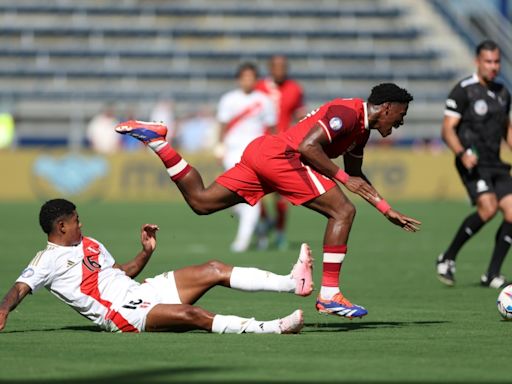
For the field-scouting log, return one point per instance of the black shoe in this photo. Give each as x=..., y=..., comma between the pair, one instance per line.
x=496, y=282
x=445, y=270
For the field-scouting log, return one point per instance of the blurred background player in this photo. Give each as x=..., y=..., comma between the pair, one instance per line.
x=99, y=131
x=476, y=120
x=83, y=274
x=244, y=114
x=288, y=98
x=297, y=164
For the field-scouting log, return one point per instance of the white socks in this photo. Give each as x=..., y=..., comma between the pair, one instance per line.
x=235, y=324
x=253, y=279
x=328, y=292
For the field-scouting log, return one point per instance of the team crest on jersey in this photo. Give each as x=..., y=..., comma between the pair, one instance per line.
x=450, y=103
x=335, y=123
x=481, y=107
x=27, y=272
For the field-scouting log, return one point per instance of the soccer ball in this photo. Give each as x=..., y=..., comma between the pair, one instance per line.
x=505, y=302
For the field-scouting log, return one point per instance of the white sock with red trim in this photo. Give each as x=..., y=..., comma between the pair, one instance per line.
x=253, y=279
x=332, y=261
x=235, y=324
x=176, y=166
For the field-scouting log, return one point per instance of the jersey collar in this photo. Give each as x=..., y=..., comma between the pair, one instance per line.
x=365, y=112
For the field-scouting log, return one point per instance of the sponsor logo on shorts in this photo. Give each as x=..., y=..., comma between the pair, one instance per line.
x=335, y=123
x=27, y=272
x=481, y=107
x=481, y=186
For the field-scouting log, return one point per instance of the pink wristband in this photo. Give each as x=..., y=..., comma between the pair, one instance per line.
x=341, y=176
x=383, y=206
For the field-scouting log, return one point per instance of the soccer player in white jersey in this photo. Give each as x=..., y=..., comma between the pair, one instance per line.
x=81, y=272
x=244, y=114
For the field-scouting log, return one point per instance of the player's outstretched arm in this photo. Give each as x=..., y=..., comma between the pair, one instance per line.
x=11, y=300
x=148, y=241
x=353, y=165
x=407, y=223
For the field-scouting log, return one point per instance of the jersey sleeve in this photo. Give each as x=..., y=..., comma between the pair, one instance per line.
x=38, y=273
x=456, y=102
x=337, y=119
x=223, y=110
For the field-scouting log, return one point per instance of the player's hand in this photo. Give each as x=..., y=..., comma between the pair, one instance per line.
x=469, y=160
x=148, y=237
x=407, y=223
x=359, y=186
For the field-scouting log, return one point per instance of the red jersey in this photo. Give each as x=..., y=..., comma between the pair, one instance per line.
x=287, y=98
x=345, y=122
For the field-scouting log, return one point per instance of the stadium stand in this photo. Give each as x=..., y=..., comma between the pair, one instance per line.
x=62, y=60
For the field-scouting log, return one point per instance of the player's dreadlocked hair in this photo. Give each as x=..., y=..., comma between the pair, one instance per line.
x=246, y=67
x=53, y=210
x=486, y=45
x=389, y=92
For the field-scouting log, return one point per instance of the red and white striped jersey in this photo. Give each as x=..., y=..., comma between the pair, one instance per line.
x=83, y=277
x=246, y=115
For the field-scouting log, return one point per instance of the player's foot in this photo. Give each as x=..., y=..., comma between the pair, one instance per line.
x=292, y=323
x=143, y=130
x=445, y=270
x=496, y=282
x=302, y=272
x=238, y=246
x=339, y=306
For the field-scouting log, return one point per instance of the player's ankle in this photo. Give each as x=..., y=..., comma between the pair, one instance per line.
x=328, y=292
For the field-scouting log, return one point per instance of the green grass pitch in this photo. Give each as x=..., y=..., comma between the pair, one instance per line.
x=416, y=331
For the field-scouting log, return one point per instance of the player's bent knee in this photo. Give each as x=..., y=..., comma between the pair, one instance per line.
x=488, y=211
x=199, y=207
x=194, y=316
x=346, y=212
x=218, y=269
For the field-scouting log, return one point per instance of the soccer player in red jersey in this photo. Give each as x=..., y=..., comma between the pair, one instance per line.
x=297, y=164
x=287, y=96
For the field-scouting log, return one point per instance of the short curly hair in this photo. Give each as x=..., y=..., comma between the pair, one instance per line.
x=247, y=66
x=53, y=210
x=389, y=93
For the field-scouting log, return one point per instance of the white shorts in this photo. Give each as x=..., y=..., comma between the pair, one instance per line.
x=160, y=289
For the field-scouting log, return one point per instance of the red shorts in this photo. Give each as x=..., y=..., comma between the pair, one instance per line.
x=268, y=165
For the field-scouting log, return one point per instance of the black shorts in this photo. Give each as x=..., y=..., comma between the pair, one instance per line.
x=486, y=179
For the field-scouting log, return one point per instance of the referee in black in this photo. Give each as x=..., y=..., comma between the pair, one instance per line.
x=476, y=120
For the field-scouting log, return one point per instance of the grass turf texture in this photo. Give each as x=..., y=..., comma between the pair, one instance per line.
x=417, y=330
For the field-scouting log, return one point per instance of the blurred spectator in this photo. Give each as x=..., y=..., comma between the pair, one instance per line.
x=101, y=133
x=197, y=131
x=7, y=130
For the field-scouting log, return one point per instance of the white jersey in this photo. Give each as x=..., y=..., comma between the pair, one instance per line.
x=246, y=116
x=83, y=277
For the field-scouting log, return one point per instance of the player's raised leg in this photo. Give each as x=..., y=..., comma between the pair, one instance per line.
x=185, y=317
x=194, y=281
x=202, y=200
x=340, y=214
